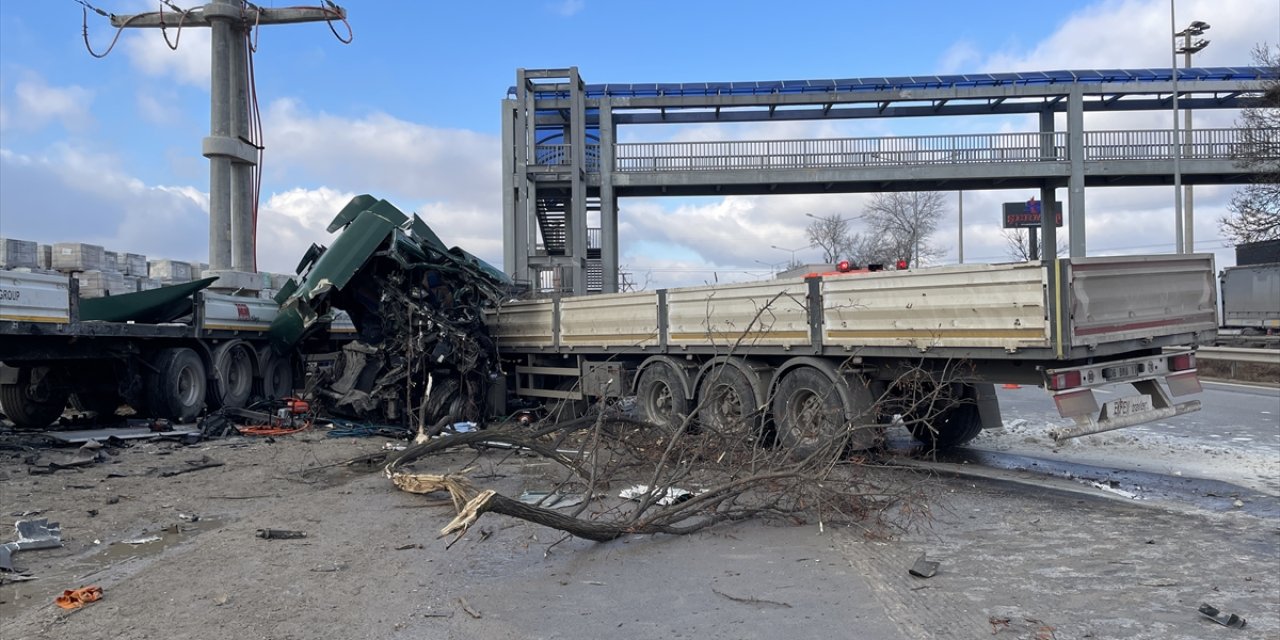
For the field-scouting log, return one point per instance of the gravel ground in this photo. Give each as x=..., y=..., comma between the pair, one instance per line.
x=1018, y=559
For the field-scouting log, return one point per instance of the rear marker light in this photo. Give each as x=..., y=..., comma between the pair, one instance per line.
x=1182, y=362
x=1064, y=380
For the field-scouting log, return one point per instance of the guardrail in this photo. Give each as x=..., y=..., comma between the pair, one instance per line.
x=1235, y=354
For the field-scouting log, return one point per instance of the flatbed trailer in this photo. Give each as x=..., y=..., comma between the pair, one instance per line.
x=217, y=355
x=873, y=344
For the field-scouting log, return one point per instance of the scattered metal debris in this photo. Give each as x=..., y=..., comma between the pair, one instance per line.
x=923, y=567
x=280, y=534
x=31, y=534
x=1225, y=619
x=104, y=435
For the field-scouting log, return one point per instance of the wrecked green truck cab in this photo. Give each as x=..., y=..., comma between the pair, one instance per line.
x=422, y=352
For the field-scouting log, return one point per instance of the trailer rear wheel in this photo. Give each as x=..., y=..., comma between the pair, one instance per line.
x=729, y=404
x=661, y=396
x=232, y=386
x=814, y=409
x=176, y=389
x=277, y=374
x=34, y=400
x=955, y=419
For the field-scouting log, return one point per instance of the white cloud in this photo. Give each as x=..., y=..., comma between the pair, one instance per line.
x=568, y=8
x=37, y=103
x=150, y=53
x=71, y=195
x=453, y=175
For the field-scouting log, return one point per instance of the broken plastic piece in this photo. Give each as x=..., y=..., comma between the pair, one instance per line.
x=1225, y=619
x=280, y=534
x=923, y=567
x=671, y=496
x=142, y=540
x=32, y=534
x=76, y=598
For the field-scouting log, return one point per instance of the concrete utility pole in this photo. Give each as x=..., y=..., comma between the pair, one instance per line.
x=1187, y=48
x=231, y=156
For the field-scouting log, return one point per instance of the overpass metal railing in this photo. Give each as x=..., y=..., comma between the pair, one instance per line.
x=1157, y=144
x=840, y=152
x=1136, y=144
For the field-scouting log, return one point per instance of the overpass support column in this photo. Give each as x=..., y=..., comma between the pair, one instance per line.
x=1048, y=221
x=608, y=201
x=1075, y=184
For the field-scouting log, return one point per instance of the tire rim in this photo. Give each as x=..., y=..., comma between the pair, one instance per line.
x=187, y=389
x=660, y=401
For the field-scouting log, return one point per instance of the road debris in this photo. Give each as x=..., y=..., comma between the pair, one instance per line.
x=552, y=499
x=751, y=600
x=467, y=607
x=672, y=495
x=75, y=598
x=1225, y=619
x=280, y=534
x=141, y=540
x=31, y=535
x=204, y=462
x=923, y=567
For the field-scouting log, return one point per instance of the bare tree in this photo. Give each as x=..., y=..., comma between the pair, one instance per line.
x=903, y=222
x=1018, y=249
x=1255, y=209
x=835, y=236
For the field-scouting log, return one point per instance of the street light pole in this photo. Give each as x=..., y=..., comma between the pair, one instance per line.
x=793, y=263
x=1188, y=47
x=1177, y=143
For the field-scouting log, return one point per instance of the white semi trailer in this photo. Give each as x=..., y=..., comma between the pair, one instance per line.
x=194, y=350
x=804, y=356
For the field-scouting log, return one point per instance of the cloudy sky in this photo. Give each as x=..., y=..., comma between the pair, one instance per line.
x=108, y=150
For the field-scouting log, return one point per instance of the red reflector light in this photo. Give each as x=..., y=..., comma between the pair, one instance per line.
x=1064, y=380
x=902, y=264
x=1182, y=362
x=844, y=266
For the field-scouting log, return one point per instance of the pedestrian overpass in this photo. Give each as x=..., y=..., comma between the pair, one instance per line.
x=562, y=164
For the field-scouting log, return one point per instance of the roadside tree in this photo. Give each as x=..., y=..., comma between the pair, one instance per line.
x=1255, y=208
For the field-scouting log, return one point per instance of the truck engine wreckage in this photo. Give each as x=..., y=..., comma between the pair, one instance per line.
x=422, y=356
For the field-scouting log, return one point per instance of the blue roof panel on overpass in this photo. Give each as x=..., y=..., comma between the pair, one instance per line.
x=1031, y=78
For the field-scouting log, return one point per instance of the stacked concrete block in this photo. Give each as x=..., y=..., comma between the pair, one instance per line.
x=132, y=264
x=76, y=256
x=96, y=283
x=170, y=271
x=16, y=254
x=109, y=261
x=131, y=283
x=44, y=256
x=147, y=284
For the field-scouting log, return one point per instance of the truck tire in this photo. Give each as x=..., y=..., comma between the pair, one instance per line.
x=277, y=374
x=729, y=405
x=33, y=406
x=954, y=425
x=661, y=396
x=813, y=411
x=176, y=389
x=232, y=383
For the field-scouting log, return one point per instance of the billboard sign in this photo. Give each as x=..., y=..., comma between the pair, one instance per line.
x=1020, y=215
